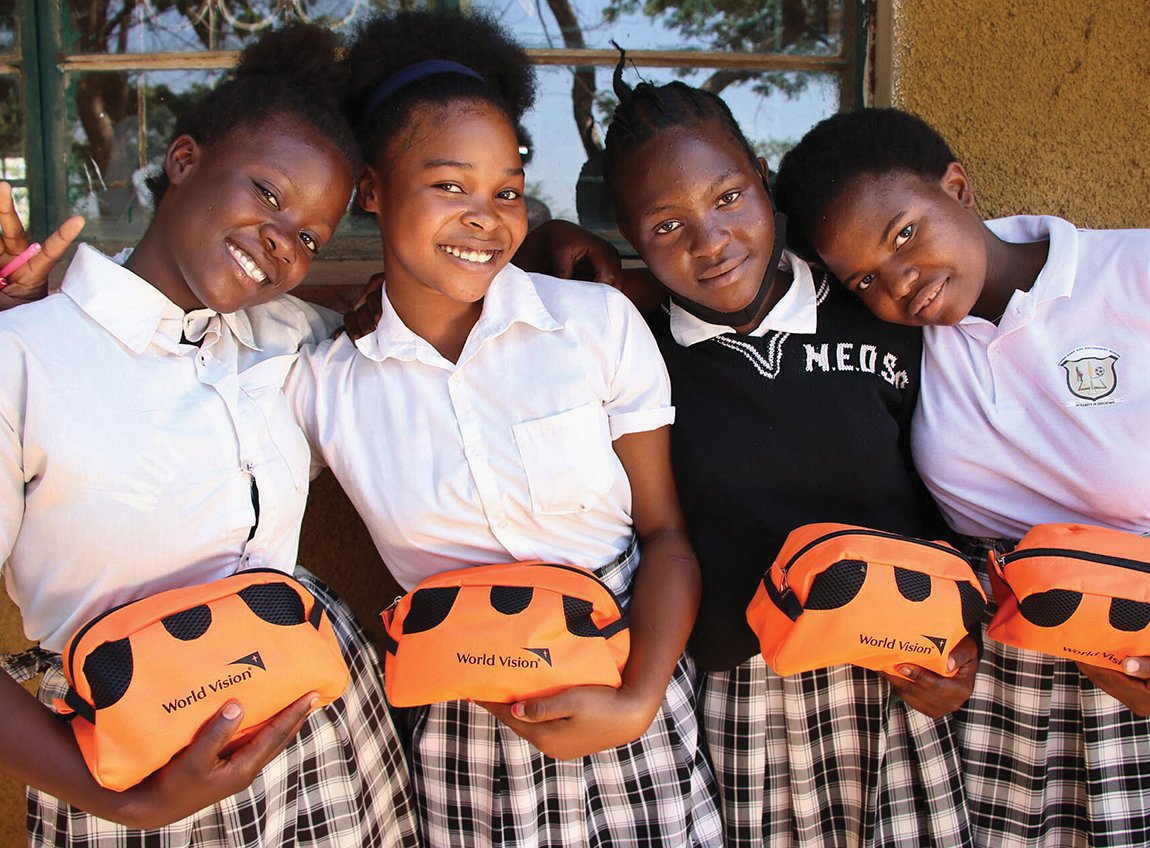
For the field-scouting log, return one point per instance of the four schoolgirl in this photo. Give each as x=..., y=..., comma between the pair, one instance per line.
x=145, y=444
x=1033, y=407
x=495, y=416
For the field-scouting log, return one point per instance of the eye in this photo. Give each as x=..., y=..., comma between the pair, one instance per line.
x=268, y=195
x=729, y=198
x=449, y=187
x=903, y=236
x=864, y=284
x=510, y=194
x=667, y=227
x=310, y=242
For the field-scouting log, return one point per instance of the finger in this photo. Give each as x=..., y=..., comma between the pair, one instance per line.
x=274, y=736
x=216, y=734
x=15, y=239
x=608, y=268
x=54, y=247
x=1138, y=667
x=540, y=710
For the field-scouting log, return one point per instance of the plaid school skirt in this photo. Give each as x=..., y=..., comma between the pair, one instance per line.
x=1049, y=759
x=478, y=784
x=342, y=781
x=831, y=757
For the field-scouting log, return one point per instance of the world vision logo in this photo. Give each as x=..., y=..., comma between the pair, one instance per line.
x=543, y=655
x=224, y=681
x=1090, y=372
x=938, y=641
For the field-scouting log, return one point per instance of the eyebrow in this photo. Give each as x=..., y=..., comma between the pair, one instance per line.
x=891, y=225
x=466, y=166
x=711, y=189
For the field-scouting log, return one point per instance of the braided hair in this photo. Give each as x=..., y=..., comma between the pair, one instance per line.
x=645, y=111
x=394, y=40
x=291, y=73
x=843, y=147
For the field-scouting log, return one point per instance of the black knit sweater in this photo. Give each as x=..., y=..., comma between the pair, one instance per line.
x=783, y=430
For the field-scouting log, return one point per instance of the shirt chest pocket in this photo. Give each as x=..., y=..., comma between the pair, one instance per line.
x=567, y=458
x=277, y=439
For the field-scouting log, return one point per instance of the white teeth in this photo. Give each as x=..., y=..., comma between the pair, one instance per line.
x=480, y=256
x=247, y=263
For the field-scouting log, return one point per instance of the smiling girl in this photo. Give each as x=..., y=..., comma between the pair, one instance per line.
x=1035, y=398
x=494, y=416
x=145, y=444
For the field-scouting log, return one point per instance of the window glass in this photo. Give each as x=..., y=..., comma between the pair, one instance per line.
x=812, y=27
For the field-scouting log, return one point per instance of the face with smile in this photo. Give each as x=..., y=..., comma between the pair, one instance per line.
x=914, y=250
x=448, y=197
x=695, y=207
x=243, y=218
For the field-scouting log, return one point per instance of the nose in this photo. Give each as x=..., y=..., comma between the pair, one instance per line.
x=479, y=214
x=710, y=239
x=902, y=279
x=278, y=243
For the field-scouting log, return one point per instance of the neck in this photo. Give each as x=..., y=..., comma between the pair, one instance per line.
x=1010, y=267
x=151, y=261
x=780, y=285
x=440, y=321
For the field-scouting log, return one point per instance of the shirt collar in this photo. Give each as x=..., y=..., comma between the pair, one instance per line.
x=1056, y=279
x=128, y=306
x=511, y=299
x=796, y=311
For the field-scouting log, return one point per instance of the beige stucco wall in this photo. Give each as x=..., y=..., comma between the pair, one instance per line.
x=1044, y=100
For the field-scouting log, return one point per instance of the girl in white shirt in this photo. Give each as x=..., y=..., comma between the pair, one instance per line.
x=1035, y=394
x=145, y=444
x=495, y=416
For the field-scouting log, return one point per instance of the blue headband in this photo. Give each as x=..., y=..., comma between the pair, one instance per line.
x=406, y=76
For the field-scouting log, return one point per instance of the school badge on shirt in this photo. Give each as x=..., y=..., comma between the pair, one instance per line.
x=1090, y=372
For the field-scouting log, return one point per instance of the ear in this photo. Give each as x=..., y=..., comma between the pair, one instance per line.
x=764, y=170
x=368, y=189
x=183, y=154
x=956, y=183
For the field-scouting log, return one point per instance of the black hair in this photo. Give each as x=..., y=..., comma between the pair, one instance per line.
x=647, y=110
x=394, y=40
x=290, y=72
x=843, y=147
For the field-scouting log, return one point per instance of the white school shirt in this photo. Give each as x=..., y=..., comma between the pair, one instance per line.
x=503, y=456
x=1046, y=417
x=127, y=458
x=796, y=311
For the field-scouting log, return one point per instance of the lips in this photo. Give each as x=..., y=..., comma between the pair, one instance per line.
x=247, y=264
x=720, y=273
x=926, y=297
x=469, y=254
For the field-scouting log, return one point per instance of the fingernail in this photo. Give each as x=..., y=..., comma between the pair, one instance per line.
x=233, y=711
x=518, y=710
x=312, y=701
x=905, y=670
x=1132, y=666
x=951, y=665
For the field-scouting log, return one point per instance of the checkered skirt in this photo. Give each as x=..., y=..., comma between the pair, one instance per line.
x=1049, y=759
x=478, y=784
x=342, y=782
x=831, y=757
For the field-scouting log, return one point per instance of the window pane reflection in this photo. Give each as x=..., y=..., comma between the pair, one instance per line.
x=810, y=27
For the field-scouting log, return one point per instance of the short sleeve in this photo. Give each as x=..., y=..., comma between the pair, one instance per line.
x=640, y=389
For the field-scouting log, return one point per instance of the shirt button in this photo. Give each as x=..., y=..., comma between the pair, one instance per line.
x=248, y=466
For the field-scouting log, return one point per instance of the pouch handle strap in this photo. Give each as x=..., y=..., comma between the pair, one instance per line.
x=788, y=604
x=615, y=627
x=78, y=707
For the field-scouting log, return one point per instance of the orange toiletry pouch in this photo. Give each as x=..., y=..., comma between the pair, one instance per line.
x=503, y=633
x=1074, y=591
x=837, y=593
x=145, y=676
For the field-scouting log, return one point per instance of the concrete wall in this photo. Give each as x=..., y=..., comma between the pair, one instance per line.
x=1044, y=101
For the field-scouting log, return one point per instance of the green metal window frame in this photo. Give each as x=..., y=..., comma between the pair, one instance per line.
x=43, y=64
